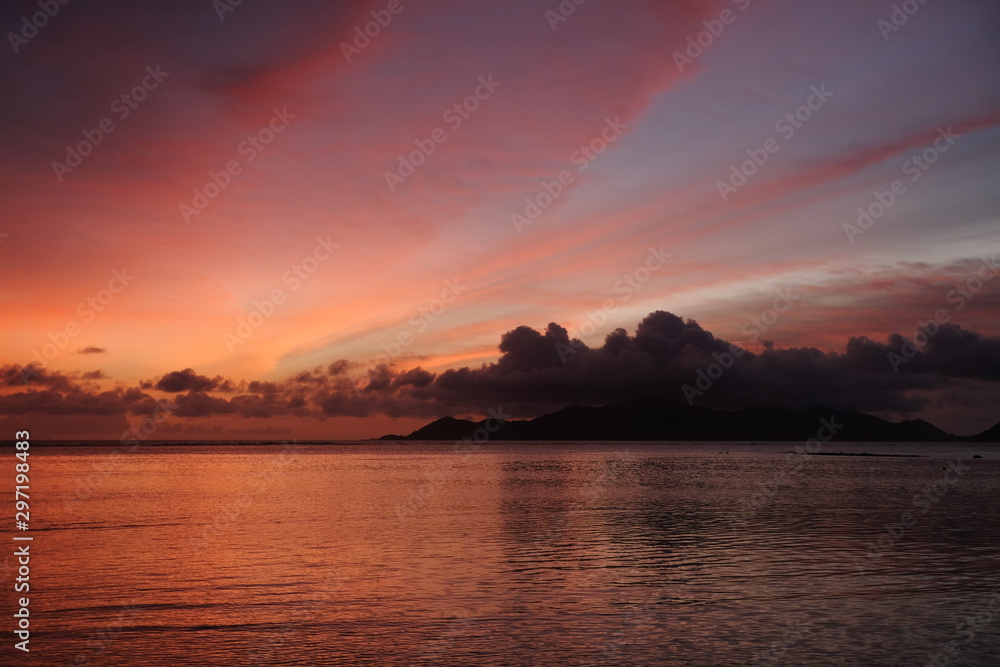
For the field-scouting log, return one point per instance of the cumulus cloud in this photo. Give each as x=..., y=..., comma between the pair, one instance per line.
x=77, y=401
x=666, y=357
x=13, y=375
x=188, y=380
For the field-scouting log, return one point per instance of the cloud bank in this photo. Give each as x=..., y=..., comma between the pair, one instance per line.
x=666, y=357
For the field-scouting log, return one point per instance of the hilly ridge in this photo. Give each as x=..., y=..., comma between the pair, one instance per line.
x=671, y=420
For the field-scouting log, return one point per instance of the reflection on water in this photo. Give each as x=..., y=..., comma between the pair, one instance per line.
x=516, y=554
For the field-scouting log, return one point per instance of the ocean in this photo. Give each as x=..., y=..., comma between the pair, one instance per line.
x=570, y=553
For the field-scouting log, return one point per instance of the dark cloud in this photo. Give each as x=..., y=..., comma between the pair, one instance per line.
x=77, y=401
x=416, y=377
x=669, y=357
x=200, y=404
x=91, y=350
x=13, y=375
x=956, y=352
x=339, y=367
x=188, y=380
x=538, y=371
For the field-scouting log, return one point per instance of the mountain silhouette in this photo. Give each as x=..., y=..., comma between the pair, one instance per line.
x=671, y=420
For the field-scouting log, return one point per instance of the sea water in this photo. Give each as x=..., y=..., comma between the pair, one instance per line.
x=405, y=553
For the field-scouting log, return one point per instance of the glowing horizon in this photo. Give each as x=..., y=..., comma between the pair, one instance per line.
x=254, y=194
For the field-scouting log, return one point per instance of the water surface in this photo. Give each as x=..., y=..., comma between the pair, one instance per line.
x=513, y=554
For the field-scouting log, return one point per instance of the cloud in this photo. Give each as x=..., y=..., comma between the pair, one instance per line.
x=200, y=404
x=544, y=370
x=91, y=350
x=188, y=380
x=666, y=353
x=950, y=351
x=14, y=375
x=539, y=371
x=77, y=401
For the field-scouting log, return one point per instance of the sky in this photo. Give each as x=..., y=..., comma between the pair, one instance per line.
x=338, y=220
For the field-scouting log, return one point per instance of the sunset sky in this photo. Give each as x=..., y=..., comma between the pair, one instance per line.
x=264, y=150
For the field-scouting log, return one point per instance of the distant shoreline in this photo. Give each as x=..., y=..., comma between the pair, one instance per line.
x=906, y=456
x=444, y=441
